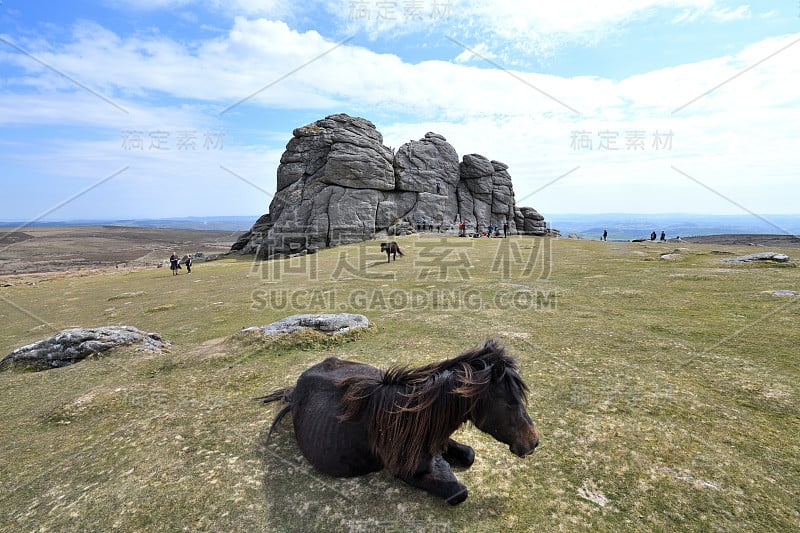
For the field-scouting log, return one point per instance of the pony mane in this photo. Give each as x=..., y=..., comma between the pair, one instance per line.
x=413, y=411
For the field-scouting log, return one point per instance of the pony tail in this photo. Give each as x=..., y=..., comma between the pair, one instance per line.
x=285, y=397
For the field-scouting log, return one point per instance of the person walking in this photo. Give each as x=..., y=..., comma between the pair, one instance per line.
x=189, y=264
x=505, y=228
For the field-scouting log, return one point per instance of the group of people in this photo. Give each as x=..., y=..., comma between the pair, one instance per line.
x=653, y=236
x=494, y=230
x=424, y=225
x=491, y=230
x=175, y=263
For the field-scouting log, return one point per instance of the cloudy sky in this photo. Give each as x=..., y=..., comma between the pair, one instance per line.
x=171, y=108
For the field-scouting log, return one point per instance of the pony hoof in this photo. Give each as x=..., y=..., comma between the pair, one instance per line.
x=458, y=497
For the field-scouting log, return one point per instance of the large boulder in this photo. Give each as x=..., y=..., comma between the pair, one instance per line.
x=530, y=222
x=337, y=183
x=487, y=193
x=329, y=323
x=429, y=168
x=72, y=345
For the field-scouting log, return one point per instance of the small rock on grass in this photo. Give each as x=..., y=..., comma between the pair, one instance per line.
x=330, y=323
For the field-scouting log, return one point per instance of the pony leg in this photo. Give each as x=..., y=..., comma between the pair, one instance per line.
x=458, y=454
x=439, y=481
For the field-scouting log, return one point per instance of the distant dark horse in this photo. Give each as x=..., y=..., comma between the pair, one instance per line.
x=351, y=419
x=391, y=248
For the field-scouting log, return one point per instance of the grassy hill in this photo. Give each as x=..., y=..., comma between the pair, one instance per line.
x=665, y=391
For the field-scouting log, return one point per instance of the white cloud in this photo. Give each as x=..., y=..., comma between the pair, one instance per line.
x=726, y=14
x=738, y=139
x=515, y=28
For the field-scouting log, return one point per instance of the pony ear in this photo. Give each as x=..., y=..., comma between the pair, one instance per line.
x=498, y=371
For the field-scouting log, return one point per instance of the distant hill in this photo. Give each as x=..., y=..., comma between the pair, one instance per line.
x=229, y=223
x=623, y=227
x=620, y=226
x=14, y=237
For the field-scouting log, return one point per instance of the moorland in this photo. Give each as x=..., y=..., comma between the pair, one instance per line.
x=665, y=390
x=39, y=249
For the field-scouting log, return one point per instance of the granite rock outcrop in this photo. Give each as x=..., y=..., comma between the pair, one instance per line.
x=337, y=183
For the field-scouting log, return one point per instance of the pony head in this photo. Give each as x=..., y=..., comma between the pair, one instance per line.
x=501, y=398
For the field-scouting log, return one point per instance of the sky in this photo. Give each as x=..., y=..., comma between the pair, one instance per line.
x=172, y=108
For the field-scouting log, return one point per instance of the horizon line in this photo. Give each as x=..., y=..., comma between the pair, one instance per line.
x=212, y=217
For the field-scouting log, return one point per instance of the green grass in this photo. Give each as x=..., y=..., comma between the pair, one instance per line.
x=666, y=392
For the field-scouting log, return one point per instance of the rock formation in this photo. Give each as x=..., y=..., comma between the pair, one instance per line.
x=72, y=345
x=331, y=324
x=337, y=184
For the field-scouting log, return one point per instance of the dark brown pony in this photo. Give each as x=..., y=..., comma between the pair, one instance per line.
x=391, y=248
x=351, y=419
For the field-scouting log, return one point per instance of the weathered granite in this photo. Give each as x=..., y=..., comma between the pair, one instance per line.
x=332, y=324
x=337, y=184
x=72, y=345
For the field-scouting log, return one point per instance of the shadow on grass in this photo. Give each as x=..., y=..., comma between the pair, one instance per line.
x=298, y=498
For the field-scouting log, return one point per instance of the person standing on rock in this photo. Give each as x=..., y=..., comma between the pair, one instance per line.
x=663, y=236
x=173, y=263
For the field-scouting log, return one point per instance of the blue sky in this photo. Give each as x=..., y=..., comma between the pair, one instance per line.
x=156, y=108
